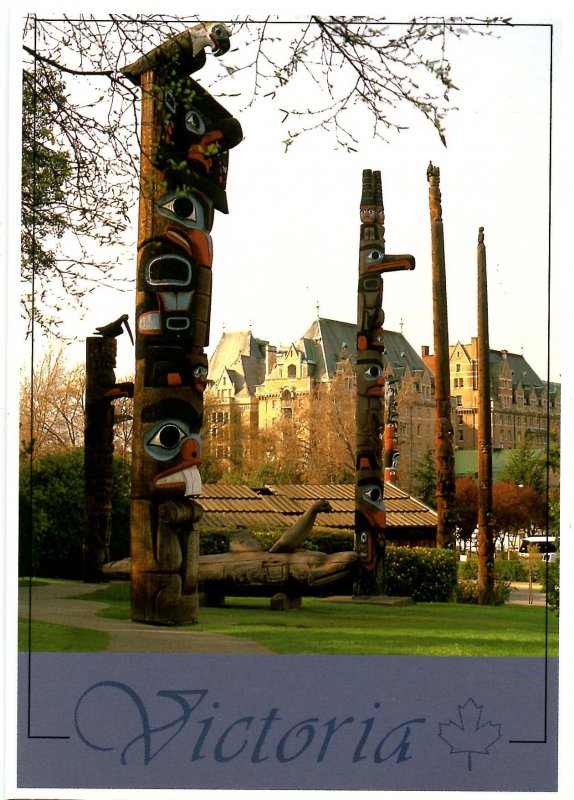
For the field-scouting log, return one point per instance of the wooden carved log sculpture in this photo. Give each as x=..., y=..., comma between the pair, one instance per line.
x=101, y=390
x=186, y=136
x=369, y=486
x=285, y=568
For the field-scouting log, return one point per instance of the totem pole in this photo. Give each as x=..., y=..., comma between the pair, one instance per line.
x=391, y=433
x=485, y=534
x=444, y=455
x=186, y=135
x=369, y=503
x=101, y=391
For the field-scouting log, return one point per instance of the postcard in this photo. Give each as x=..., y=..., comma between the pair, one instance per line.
x=274, y=533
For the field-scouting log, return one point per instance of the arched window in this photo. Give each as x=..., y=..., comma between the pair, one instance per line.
x=292, y=371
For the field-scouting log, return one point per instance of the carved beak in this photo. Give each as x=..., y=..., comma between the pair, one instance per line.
x=128, y=329
x=220, y=46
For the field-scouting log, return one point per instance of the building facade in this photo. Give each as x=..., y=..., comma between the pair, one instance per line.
x=263, y=384
x=523, y=406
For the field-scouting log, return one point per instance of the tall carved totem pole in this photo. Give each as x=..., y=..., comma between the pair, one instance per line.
x=370, y=517
x=185, y=138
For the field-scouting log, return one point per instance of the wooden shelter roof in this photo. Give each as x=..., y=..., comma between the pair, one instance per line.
x=278, y=506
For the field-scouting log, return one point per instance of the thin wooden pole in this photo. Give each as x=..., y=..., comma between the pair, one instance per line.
x=485, y=535
x=444, y=452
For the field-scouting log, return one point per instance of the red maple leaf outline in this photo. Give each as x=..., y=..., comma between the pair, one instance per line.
x=460, y=729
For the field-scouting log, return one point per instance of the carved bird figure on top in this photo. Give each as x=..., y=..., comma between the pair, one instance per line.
x=188, y=47
x=115, y=328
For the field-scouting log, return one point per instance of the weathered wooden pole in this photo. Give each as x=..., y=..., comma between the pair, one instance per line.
x=370, y=516
x=485, y=533
x=185, y=136
x=101, y=390
x=444, y=453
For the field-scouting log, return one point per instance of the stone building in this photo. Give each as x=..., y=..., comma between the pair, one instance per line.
x=523, y=405
x=263, y=383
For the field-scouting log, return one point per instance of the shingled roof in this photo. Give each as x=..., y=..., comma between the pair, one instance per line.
x=243, y=354
x=278, y=506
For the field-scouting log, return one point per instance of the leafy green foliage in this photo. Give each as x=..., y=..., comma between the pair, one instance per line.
x=426, y=574
x=52, y=514
x=550, y=578
x=467, y=592
x=424, y=479
x=525, y=467
x=515, y=569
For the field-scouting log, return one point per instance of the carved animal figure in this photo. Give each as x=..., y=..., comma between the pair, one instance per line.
x=115, y=328
x=189, y=46
x=294, y=536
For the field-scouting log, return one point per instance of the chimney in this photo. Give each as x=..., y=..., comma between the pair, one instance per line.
x=270, y=358
x=504, y=353
x=425, y=350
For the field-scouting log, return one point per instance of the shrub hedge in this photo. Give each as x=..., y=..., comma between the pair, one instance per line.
x=467, y=591
x=550, y=579
x=504, y=570
x=426, y=574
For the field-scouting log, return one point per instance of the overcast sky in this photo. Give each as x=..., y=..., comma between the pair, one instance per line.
x=291, y=238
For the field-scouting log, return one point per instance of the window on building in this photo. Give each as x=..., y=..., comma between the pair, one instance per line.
x=292, y=371
x=458, y=366
x=461, y=382
x=458, y=399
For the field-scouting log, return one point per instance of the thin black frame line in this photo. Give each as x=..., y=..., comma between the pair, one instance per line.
x=548, y=430
x=30, y=553
x=184, y=20
x=284, y=22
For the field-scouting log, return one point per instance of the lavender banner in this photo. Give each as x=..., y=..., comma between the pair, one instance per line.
x=277, y=722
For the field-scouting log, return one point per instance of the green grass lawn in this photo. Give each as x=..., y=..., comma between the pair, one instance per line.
x=48, y=637
x=326, y=628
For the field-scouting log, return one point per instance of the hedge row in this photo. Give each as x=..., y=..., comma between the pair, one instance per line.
x=513, y=570
x=426, y=574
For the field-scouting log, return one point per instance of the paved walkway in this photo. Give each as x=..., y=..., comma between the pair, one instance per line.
x=49, y=604
x=520, y=595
